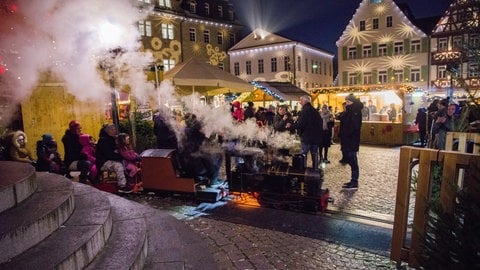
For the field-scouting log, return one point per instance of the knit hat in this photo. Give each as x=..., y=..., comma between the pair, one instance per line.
x=351, y=98
x=73, y=125
x=47, y=138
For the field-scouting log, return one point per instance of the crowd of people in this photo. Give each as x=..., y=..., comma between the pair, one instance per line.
x=314, y=127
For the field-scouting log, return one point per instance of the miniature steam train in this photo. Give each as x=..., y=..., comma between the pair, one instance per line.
x=273, y=183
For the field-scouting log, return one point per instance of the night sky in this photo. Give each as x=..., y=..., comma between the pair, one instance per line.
x=315, y=22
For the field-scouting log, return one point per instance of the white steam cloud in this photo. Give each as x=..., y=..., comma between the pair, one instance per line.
x=69, y=39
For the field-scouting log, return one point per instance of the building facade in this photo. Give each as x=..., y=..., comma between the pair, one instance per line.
x=178, y=30
x=263, y=56
x=455, y=42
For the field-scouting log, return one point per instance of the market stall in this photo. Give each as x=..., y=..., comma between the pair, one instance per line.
x=390, y=110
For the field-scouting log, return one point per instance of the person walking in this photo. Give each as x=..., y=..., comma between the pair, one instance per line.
x=350, y=126
x=309, y=127
x=326, y=134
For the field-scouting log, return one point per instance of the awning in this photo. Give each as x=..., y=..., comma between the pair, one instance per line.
x=282, y=91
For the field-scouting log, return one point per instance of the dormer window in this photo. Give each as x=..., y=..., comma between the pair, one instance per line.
x=193, y=6
x=207, y=9
x=220, y=11
x=165, y=3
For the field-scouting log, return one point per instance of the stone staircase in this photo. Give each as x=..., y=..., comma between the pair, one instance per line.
x=50, y=222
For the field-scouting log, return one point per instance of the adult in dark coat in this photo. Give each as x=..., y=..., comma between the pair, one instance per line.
x=109, y=159
x=350, y=127
x=309, y=127
x=249, y=111
x=195, y=159
x=166, y=138
x=421, y=121
x=73, y=158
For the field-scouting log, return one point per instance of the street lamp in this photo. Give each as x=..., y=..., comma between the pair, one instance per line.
x=108, y=64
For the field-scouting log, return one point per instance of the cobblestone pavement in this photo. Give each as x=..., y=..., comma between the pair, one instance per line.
x=244, y=237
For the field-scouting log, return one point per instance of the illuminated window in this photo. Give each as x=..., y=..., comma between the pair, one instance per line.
x=260, y=66
x=457, y=42
x=145, y=28
x=474, y=40
x=220, y=11
x=415, y=46
x=375, y=23
x=382, y=49
x=398, y=48
x=168, y=64
x=367, y=78
x=144, y=1
x=167, y=31
x=367, y=51
x=382, y=76
x=165, y=3
x=398, y=75
x=362, y=26
x=320, y=68
x=236, y=68
x=273, y=64
x=148, y=28
x=375, y=1
x=352, y=53
x=207, y=9
x=352, y=78
x=473, y=70
x=415, y=75
x=220, y=38
x=193, y=34
x=141, y=27
x=286, y=63
x=389, y=21
x=442, y=44
x=442, y=72
x=206, y=36
x=248, y=66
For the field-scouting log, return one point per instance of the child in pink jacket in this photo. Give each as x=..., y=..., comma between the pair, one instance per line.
x=88, y=153
x=130, y=157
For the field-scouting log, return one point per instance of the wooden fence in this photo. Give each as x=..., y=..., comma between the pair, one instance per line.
x=407, y=240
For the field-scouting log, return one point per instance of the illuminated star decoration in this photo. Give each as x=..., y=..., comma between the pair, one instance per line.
x=355, y=36
x=405, y=30
x=381, y=9
x=397, y=61
x=361, y=66
x=385, y=38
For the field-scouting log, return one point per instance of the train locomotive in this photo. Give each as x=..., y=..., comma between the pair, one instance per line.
x=284, y=182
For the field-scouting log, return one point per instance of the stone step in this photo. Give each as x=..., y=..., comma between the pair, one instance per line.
x=17, y=183
x=78, y=241
x=34, y=219
x=127, y=246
